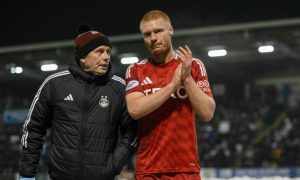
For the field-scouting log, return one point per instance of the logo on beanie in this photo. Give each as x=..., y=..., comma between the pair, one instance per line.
x=103, y=102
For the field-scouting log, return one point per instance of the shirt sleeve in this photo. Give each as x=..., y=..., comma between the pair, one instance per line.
x=200, y=76
x=132, y=80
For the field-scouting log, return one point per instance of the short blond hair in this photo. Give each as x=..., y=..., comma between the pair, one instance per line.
x=155, y=14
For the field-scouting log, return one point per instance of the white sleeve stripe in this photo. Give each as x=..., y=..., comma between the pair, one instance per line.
x=143, y=61
x=128, y=71
x=117, y=78
x=202, y=67
x=36, y=97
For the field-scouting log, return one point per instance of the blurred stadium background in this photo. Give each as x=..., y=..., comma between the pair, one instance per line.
x=251, y=53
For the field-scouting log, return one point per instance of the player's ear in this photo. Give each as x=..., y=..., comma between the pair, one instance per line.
x=82, y=61
x=171, y=31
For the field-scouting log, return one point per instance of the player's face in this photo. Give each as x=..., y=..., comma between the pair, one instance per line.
x=157, y=35
x=96, y=62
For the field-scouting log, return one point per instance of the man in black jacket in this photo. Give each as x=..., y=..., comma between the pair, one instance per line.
x=85, y=107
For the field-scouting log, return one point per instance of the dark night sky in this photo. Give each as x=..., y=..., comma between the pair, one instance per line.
x=27, y=22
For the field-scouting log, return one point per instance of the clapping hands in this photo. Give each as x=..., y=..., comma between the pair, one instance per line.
x=185, y=55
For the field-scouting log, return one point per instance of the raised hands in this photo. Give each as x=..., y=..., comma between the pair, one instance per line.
x=177, y=76
x=185, y=55
x=183, y=70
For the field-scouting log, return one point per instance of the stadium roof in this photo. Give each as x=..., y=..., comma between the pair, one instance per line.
x=26, y=22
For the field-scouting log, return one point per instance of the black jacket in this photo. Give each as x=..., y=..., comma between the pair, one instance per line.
x=86, y=114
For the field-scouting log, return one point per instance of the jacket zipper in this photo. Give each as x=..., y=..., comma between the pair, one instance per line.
x=83, y=132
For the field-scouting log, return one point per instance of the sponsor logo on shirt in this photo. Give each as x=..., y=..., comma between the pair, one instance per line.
x=203, y=83
x=146, y=81
x=179, y=93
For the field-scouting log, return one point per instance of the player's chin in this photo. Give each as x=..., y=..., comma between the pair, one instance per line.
x=100, y=72
x=156, y=51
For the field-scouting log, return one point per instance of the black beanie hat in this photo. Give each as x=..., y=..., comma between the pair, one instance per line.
x=87, y=40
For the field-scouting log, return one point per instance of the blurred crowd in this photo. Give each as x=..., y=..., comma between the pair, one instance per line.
x=259, y=132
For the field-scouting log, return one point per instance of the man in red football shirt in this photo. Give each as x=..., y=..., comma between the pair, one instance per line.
x=163, y=93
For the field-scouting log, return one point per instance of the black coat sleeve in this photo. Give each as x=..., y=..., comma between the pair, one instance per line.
x=34, y=129
x=128, y=138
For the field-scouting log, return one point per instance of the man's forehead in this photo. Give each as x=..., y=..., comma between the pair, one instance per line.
x=102, y=47
x=154, y=24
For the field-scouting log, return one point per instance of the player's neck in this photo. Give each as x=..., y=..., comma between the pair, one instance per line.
x=165, y=58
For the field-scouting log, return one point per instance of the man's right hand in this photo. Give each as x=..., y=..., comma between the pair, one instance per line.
x=176, y=80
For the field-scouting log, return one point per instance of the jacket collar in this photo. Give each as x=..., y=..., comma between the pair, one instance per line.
x=78, y=72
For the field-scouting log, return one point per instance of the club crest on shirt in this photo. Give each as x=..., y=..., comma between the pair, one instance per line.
x=104, y=102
